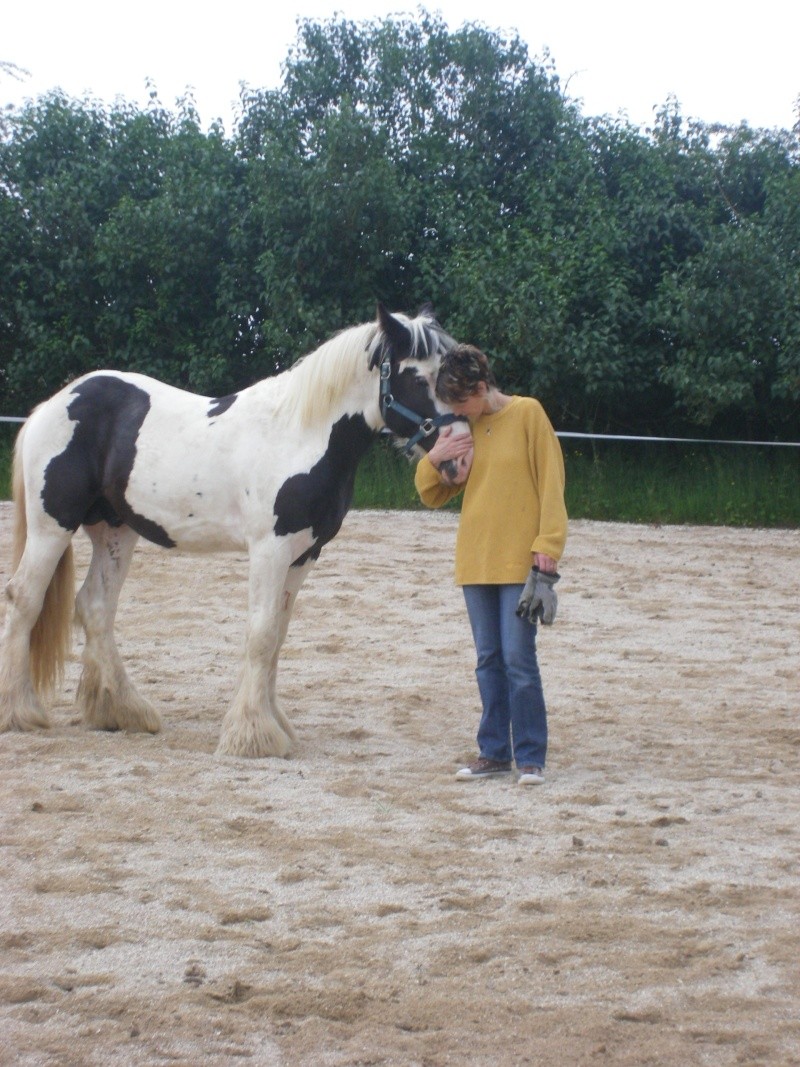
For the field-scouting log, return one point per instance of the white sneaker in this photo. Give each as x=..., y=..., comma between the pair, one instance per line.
x=530, y=776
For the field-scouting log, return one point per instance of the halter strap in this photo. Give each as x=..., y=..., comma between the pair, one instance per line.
x=425, y=426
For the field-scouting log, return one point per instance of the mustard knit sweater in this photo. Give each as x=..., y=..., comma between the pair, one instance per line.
x=513, y=499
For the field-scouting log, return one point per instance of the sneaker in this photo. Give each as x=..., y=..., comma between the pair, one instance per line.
x=530, y=776
x=484, y=768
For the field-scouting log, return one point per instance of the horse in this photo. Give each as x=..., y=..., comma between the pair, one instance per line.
x=269, y=470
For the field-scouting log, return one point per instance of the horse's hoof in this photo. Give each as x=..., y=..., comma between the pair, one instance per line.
x=133, y=719
x=24, y=722
x=22, y=715
x=114, y=705
x=253, y=740
x=144, y=720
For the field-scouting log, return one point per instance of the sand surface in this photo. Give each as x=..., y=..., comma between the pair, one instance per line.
x=355, y=904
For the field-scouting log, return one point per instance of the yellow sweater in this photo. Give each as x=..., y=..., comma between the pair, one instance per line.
x=513, y=499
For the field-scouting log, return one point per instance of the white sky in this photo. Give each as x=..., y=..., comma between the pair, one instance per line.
x=724, y=62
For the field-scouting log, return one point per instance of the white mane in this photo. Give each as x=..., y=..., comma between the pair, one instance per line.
x=317, y=382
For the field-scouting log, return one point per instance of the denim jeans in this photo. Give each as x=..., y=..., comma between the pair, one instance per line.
x=514, y=719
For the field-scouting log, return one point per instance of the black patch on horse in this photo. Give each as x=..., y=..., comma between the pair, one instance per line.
x=221, y=405
x=321, y=498
x=86, y=483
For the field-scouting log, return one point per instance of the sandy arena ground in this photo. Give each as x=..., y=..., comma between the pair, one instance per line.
x=355, y=904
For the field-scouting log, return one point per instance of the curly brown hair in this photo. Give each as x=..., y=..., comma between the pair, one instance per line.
x=461, y=371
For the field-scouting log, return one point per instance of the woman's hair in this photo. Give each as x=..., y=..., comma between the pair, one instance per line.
x=461, y=371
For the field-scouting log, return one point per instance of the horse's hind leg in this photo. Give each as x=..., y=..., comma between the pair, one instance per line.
x=47, y=552
x=106, y=697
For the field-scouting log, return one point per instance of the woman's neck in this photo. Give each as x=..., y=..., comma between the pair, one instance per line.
x=495, y=401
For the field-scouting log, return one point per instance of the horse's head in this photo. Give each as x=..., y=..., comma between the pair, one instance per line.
x=408, y=353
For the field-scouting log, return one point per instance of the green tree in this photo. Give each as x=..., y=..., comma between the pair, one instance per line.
x=730, y=313
x=160, y=254
x=392, y=127
x=634, y=280
x=114, y=247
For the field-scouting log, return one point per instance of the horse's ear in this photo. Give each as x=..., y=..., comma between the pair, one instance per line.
x=395, y=336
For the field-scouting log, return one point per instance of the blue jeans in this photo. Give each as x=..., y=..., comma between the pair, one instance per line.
x=514, y=719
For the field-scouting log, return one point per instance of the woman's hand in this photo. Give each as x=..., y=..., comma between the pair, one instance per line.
x=546, y=564
x=450, y=445
x=452, y=456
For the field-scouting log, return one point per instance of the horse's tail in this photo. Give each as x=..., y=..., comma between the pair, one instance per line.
x=51, y=637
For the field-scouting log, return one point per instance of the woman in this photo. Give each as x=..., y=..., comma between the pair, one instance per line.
x=511, y=534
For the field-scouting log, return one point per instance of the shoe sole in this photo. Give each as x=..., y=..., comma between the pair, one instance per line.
x=486, y=774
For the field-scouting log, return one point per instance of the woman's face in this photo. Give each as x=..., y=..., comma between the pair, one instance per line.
x=472, y=406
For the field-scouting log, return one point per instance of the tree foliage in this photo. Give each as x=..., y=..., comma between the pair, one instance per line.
x=634, y=280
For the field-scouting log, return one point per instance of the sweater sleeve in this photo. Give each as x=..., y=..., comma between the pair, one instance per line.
x=432, y=491
x=548, y=468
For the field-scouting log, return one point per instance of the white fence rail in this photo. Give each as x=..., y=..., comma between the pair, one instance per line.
x=677, y=440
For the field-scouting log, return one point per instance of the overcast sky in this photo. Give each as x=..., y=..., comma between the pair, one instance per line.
x=724, y=62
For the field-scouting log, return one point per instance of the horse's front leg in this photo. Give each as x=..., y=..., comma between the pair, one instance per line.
x=294, y=582
x=252, y=727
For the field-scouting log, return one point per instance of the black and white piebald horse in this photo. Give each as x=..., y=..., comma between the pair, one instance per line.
x=270, y=469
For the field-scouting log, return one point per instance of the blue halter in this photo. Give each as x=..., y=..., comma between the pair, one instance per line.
x=426, y=426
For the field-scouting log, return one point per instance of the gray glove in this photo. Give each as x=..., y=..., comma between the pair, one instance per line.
x=538, y=599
